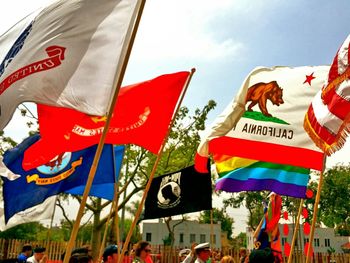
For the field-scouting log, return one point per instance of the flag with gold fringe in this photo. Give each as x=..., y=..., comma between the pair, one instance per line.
x=327, y=120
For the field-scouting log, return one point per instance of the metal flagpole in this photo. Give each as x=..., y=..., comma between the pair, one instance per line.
x=125, y=54
x=317, y=200
x=296, y=229
x=159, y=155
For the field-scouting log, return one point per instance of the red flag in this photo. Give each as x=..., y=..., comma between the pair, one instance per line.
x=141, y=116
x=328, y=119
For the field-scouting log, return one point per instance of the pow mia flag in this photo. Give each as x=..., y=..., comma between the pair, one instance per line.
x=177, y=193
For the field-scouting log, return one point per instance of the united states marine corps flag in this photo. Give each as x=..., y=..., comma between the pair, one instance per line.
x=177, y=193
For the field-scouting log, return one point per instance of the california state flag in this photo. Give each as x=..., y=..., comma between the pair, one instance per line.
x=66, y=54
x=265, y=120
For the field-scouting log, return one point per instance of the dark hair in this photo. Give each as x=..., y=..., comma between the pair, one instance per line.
x=26, y=247
x=261, y=256
x=140, y=246
x=80, y=258
x=109, y=251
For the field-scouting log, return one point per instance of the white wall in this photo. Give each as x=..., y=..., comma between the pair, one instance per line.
x=158, y=231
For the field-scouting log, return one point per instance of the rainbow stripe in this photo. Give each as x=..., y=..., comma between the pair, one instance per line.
x=239, y=174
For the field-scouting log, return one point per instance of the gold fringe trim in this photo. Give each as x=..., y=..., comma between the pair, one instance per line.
x=340, y=138
x=335, y=83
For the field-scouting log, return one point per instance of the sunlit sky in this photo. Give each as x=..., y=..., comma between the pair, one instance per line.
x=224, y=40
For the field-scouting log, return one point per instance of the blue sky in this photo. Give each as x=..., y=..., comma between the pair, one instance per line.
x=224, y=40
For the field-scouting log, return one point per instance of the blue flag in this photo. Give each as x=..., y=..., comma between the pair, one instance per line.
x=67, y=172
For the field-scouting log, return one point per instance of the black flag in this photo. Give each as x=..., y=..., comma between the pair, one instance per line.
x=177, y=193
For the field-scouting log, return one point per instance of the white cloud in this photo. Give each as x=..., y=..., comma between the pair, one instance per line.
x=179, y=29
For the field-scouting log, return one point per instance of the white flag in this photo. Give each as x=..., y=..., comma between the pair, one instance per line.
x=66, y=54
x=36, y=213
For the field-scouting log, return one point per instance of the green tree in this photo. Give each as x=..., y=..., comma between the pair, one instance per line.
x=219, y=215
x=179, y=153
x=27, y=231
x=334, y=202
x=252, y=201
x=240, y=241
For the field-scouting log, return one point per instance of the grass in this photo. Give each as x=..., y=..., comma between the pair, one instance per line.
x=256, y=115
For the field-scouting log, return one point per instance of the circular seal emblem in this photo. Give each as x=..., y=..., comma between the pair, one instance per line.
x=169, y=195
x=57, y=164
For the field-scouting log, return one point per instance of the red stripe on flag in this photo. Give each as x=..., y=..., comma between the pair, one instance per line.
x=333, y=71
x=267, y=152
x=321, y=131
x=339, y=106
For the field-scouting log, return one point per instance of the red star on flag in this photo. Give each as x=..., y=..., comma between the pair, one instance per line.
x=309, y=78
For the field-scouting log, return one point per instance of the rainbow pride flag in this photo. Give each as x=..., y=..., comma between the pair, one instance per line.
x=239, y=174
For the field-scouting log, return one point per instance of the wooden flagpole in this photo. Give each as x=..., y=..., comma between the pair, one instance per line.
x=296, y=229
x=211, y=229
x=125, y=54
x=150, y=179
x=114, y=206
x=317, y=200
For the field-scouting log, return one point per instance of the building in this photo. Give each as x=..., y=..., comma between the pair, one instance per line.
x=185, y=233
x=324, y=239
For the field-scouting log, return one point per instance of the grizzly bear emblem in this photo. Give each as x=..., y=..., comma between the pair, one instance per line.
x=261, y=92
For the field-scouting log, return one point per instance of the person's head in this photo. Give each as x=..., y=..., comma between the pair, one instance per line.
x=203, y=251
x=227, y=259
x=183, y=253
x=110, y=254
x=39, y=253
x=80, y=258
x=143, y=249
x=242, y=251
x=261, y=256
x=27, y=250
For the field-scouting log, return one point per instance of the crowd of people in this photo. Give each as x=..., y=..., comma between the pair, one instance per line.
x=201, y=253
x=141, y=253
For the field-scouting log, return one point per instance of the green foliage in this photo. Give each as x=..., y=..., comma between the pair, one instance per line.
x=334, y=201
x=27, y=231
x=256, y=115
x=218, y=215
x=167, y=240
x=240, y=241
x=136, y=234
x=252, y=201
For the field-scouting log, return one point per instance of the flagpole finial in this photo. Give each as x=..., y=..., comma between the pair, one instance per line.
x=193, y=70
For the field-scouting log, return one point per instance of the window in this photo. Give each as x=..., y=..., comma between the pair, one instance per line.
x=284, y=240
x=192, y=238
x=316, y=242
x=202, y=238
x=306, y=240
x=181, y=239
x=149, y=237
x=327, y=242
